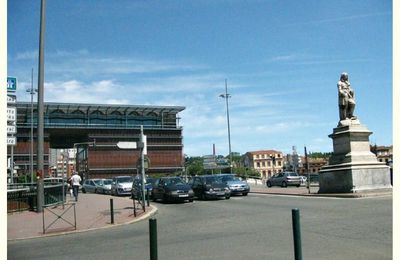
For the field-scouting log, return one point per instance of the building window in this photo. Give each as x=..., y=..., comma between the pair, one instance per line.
x=258, y=165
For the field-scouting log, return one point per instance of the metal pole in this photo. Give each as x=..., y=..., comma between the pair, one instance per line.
x=112, y=210
x=12, y=165
x=40, y=132
x=229, y=125
x=31, y=151
x=153, y=238
x=308, y=172
x=296, y=234
x=142, y=167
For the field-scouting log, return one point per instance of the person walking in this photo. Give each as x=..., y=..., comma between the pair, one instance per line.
x=75, y=182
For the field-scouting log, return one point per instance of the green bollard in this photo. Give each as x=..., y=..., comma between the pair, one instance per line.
x=296, y=234
x=153, y=238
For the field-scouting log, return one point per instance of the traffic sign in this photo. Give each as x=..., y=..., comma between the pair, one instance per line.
x=11, y=84
x=127, y=145
x=11, y=140
x=11, y=99
x=11, y=114
x=11, y=129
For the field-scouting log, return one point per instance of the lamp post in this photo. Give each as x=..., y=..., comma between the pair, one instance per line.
x=227, y=96
x=32, y=92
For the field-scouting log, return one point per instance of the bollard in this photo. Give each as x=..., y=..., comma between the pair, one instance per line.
x=148, y=197
x=296, y=234
x=134, y=207
x=112, y=210
x=153, y=238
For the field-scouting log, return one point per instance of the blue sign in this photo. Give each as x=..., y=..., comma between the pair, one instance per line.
x=11, y=84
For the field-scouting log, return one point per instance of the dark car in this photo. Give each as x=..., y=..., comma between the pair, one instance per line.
x=210, y=187
x=172, y=189
x=235, y=184
x=137, y=187
x=284, y=179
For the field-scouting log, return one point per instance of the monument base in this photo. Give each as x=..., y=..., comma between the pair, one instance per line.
x=352, y=178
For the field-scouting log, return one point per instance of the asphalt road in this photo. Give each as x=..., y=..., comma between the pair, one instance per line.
x=252, y=227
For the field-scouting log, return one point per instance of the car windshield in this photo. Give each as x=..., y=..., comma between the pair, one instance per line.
x=98, y=182
x=226, y=178
x=292, y=174
x=124, y=179
x=173, y=181
x=150, y=180
x=213, y=179
x=107, y=182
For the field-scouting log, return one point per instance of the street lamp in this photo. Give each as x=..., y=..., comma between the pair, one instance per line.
x=32, y=92
x=227, y=96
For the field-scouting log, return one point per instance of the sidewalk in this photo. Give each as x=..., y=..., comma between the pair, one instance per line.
x=303, y=191
x=92, y=212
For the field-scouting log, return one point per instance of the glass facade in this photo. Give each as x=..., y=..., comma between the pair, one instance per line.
x=100, y=116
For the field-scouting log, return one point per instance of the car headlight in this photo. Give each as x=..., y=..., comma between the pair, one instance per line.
x=211, y=190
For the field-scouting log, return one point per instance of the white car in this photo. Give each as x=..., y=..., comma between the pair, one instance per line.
x=121, y=185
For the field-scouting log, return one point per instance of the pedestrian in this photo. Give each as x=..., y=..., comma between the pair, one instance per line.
x=75, y=181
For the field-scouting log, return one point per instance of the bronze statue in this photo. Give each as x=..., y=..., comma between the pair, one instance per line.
x=347, y=102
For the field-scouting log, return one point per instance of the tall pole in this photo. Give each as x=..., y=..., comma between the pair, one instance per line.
x=227, y=96
x=31, y=92
x=40, y=132
x=142, y=141
x=307, y=170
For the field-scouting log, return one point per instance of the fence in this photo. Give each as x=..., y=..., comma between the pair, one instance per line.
x=23, y=196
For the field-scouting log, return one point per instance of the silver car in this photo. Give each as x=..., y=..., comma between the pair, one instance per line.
x=284, y=179
x=103, y=186
x=235, y=184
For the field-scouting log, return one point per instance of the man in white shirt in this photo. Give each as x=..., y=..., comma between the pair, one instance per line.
x=75, y=182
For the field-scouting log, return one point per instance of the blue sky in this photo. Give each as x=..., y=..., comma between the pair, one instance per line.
x=282, y=60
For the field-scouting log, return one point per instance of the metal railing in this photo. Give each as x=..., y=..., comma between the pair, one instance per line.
x=23, y=196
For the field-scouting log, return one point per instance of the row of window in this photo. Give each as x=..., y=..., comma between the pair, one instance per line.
x=267, y=156
x=269, y=164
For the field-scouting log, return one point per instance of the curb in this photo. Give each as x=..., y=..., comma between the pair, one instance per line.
x=333, y=195
x=144, y=216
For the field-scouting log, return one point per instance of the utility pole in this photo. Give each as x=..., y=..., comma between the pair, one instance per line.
x=227, y=96
x=31, y=91
x=40, y=132
x=308, y=172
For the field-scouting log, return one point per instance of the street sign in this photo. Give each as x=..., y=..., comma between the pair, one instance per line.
x=11, y=129
x=11, y=99
x=11, y=140
x=11, y=84
x=127, y=145
x=11, y=114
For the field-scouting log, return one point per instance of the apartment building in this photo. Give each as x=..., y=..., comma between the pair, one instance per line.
x=266, y=162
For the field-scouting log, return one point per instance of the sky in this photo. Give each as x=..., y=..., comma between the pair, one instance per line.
x=281, y=60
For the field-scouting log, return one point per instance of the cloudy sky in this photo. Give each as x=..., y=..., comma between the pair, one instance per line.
x=281, y=59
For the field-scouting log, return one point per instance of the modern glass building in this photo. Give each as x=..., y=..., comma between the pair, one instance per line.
x=70, y=125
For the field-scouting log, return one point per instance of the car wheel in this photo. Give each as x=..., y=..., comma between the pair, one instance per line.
x=298, y=185
x=95, y=190
x=284, y=184
x=83, y=190
x=245, y=194
x=190, y=200
x=227, y=197
x=269, y=184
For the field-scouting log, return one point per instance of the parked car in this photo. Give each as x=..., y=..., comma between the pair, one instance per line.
x=103, y=186
x=89, y=185
x=235, y=184
x=284, y=179
x=209, y=187
x=121, y=185
x=137, y=187
x=172, y=189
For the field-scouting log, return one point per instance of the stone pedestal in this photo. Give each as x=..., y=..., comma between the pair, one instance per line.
x=353, y=167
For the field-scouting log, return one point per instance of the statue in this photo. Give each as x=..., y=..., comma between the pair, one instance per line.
x=347, y=102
